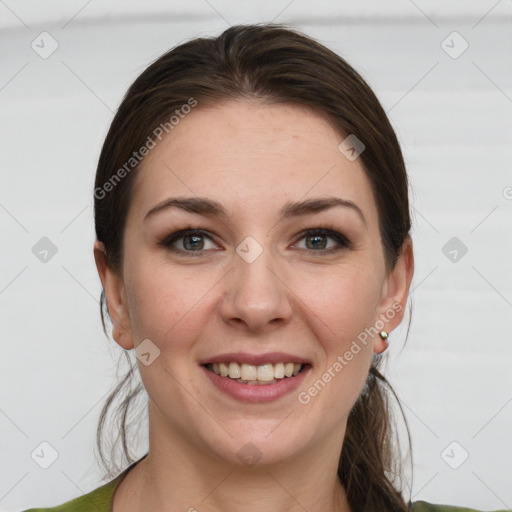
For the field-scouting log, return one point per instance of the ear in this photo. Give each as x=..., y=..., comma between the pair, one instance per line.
x=116, y=298
x=394, y=294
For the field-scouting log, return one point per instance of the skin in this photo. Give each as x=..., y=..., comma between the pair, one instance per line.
x=252, y=158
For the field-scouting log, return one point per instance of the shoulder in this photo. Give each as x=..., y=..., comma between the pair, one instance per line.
x=99, y=500
x=423, y=506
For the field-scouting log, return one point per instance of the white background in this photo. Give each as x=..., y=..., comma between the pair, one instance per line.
x=453, y=117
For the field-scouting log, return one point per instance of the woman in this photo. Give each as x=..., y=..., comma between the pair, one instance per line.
x=252, y=223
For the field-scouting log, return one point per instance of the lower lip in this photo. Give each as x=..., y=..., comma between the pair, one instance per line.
x=257, y=394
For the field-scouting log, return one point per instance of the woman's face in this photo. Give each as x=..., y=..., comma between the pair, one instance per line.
x=253, y=281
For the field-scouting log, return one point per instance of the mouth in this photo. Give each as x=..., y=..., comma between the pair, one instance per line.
x=257, y=375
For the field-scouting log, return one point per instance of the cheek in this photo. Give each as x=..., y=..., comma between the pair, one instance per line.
x=341, y=309
x=170, y=309
x=165, y=305
x=344, y=301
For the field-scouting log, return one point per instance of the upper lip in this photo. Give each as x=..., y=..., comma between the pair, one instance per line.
x=255, y=359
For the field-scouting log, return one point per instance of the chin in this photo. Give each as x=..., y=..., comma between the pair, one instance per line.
x=261, y=444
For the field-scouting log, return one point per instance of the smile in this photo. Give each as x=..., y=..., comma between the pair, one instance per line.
x=242, y=381
x=250, y=374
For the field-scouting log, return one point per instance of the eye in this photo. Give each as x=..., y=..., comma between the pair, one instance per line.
x=316, y=240
x=192, y=242
x=188, y=241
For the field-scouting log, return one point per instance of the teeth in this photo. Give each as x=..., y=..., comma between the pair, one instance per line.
x=234, y=371
x=223, y=368
x=251, y=373
x=279, y=370
x=265, y=372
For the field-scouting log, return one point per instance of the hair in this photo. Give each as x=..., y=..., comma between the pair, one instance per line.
x=276, y=64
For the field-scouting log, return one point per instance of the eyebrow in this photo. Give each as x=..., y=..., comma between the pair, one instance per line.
x=211, y=208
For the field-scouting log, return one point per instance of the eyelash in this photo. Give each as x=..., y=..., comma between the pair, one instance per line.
x=342, y=241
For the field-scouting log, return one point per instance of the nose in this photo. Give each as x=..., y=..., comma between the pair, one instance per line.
x=256, y=297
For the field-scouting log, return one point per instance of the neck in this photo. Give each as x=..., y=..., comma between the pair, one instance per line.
x=180, y=476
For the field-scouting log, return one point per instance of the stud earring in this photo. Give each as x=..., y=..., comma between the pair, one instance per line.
x=384, y=335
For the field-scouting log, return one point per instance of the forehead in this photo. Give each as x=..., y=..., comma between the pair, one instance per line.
x=250, y=154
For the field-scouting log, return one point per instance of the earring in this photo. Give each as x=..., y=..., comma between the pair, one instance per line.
x=384, y=335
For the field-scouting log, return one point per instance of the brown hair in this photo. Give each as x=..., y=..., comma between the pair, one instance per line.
x=278, y=64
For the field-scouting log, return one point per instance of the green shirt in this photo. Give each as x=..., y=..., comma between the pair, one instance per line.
x=100, y=500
